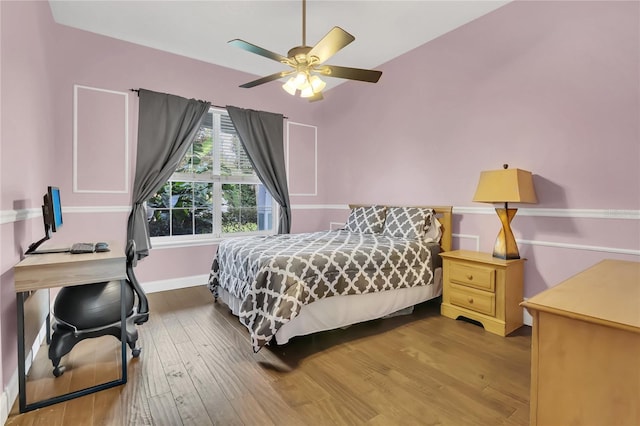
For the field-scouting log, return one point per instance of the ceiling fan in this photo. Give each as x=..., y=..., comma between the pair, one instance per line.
x=307, y=63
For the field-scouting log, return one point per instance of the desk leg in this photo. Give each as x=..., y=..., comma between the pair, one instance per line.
x=22, y=381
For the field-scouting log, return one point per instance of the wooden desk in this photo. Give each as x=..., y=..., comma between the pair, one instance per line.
x=585, y=360
x=44, y=271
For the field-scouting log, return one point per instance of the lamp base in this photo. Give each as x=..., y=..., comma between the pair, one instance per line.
x=506, y=247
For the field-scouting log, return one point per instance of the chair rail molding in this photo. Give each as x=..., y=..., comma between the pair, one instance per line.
x=568, y=213
x=570, y=246
x=8, y=216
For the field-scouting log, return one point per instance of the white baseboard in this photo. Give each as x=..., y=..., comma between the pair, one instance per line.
x=175, y=283
x=526, y=317
x=8, y=397
x=10, y=393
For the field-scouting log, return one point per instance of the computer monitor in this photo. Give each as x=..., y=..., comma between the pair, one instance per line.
x=52, y=203
x=51, y=216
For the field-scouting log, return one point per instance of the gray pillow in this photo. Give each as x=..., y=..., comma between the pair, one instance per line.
x=366, y=220
x=408, y=222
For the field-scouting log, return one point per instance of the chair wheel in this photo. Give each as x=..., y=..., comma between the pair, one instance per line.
x=136, y=352
x=58, y=371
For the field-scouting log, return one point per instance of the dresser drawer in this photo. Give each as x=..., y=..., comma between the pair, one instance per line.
x=485, y=303
x=477, y=276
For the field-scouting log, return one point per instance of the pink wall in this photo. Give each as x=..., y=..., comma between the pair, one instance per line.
x=27, y=144
x=550, y=87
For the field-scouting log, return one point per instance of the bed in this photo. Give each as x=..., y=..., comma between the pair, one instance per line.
x=381, y=263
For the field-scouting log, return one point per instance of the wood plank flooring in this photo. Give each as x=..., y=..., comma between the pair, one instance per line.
x=197, y=368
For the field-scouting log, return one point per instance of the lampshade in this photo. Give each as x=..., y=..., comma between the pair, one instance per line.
x=505, y=186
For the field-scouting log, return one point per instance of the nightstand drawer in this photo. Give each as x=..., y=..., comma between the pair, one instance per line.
x=481, y=277
x=485, y=303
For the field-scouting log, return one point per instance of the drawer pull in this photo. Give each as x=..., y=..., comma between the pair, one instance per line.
x=469, y=277
x=470, y=300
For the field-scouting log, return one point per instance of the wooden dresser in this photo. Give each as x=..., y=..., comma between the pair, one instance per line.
x=483, y=288
x=585, y=360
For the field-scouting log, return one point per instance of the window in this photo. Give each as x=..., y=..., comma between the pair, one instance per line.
x=214, y=192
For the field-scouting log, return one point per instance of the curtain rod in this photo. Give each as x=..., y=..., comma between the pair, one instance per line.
x=212, y=104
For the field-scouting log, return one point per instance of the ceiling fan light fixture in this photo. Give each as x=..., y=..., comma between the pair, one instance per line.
x=317, y=84
x=306, y=91
x=290, y=86
x=300, y=79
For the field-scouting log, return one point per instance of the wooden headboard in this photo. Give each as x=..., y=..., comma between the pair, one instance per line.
x=444, y=215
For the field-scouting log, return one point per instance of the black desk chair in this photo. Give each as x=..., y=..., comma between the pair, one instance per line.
x=93, y=310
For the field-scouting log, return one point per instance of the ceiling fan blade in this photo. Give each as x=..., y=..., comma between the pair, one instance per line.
x=258, y=50
x=370, y=76
x=331, y=43
x=266, y=79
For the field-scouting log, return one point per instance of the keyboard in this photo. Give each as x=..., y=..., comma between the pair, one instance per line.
x=78, y=248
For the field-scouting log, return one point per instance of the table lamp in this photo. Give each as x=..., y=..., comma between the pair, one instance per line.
x=505, y=186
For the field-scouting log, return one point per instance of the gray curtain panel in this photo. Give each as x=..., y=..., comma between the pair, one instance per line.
x=167, y=125
x=261, y=133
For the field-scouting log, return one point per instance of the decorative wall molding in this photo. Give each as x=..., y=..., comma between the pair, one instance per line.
x=315, y=158
x=96, y=209
x=615, y=250
x=7, y=216
x=540, y=212
x=476, y=238
x=95, y=117
x=568, y=213
x=568, y=246
x=10, y=216
x=319, y=207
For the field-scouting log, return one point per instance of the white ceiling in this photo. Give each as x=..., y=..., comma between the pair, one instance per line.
x=201, y=29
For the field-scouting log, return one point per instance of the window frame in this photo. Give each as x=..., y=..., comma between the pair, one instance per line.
x=217, y=180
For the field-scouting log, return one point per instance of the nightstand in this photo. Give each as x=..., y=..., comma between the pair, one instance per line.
x=483, y=288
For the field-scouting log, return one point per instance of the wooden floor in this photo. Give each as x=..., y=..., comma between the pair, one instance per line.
x=197, y=368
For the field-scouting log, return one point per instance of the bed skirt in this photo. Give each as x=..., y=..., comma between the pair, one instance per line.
x=341, y=311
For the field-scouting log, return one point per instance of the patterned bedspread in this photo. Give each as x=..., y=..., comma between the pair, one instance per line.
x=274, y=276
